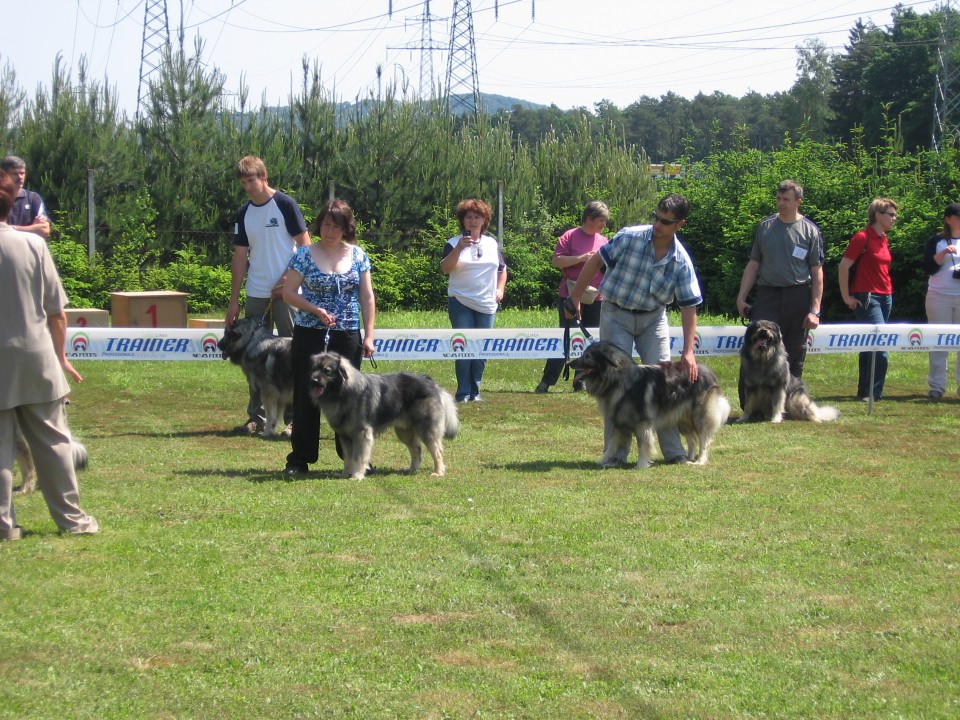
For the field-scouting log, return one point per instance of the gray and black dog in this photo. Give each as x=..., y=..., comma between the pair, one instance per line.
x=769, y=391
x=636, y=400
x=24, y=458
x=267, y=362
x=359, y=406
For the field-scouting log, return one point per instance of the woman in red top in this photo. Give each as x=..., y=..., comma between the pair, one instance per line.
x=870, y=293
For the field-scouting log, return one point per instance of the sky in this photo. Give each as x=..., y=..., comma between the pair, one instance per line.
x=571, y=53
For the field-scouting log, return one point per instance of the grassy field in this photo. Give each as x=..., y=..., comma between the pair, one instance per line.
x=807, y=572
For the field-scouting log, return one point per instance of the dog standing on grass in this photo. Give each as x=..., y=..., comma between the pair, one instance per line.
x=359, y=406
x=267, y=363
x=636, y=400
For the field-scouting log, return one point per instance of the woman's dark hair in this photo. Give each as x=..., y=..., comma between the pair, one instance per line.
x=953, y=210
x=342, y=216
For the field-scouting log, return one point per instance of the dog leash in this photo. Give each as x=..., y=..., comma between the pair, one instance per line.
x=266, y=313
x=566, y=340
x=348, y=334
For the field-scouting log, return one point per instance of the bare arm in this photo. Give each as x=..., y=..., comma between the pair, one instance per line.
x=565, y=261
x=501, y=284
x=368, y=308
x=40, y=226
x=57, y=325
x=688, y=318
x=843, y=276
x=590, y=268
x=450, y=262
x=816, y=295
x=238, y=271
x=750, y=273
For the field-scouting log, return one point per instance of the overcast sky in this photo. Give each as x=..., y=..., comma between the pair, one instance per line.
x=567, y=52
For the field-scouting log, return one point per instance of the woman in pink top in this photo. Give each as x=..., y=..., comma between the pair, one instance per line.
x=574, y=248
x=870, y=293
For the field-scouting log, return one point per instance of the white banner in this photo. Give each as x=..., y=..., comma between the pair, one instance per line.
x=94, y=343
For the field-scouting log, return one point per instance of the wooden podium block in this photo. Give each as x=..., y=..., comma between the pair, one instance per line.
x=162, y=308
x=87, y=317
x=207, y=323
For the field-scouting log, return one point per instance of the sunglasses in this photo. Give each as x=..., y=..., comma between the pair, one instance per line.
x=663, y=221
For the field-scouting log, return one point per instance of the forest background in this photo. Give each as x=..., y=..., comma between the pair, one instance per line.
x=854, y=126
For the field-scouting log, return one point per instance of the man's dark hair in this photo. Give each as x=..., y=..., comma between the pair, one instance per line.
x=12, y=162
x=676, y=204
x=8, y=193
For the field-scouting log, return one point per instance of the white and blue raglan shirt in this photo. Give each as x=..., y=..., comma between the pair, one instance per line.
x=268, y=230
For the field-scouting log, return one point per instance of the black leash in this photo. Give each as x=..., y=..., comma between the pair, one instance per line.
x=566, y=343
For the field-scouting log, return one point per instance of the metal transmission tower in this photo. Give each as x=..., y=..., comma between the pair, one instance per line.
x=156, y=40
x=462, y=85
x=426, y=53
x=946, y=101
x=426, y=47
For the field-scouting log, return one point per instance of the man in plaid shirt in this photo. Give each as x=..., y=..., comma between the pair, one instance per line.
x=647, y=268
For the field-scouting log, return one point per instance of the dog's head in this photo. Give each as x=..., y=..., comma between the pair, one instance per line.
x=598, y=362
x=329, y=371
x=236, y=338
x=761, y=338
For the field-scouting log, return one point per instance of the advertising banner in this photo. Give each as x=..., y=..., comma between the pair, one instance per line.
x=95, y=343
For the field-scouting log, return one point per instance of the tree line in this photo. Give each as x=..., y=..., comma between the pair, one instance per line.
x=883, y=72
x=166, y=194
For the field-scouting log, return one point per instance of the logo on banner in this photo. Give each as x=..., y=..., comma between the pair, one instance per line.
x=458, y=347
x=915, y=337
x=79, y=346
x=209, y=344
x=578, y=343
x=697, y=343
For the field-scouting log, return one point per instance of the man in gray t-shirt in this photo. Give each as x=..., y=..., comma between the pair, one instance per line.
x=786, y=263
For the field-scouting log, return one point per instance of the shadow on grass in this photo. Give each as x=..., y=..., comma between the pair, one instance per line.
x=538, y=614
x=540, y=466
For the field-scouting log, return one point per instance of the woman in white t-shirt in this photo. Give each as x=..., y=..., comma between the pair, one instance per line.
x=477, y=273
x=942, y=263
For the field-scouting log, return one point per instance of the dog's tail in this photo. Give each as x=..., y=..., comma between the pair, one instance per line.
x=800, y=407
x=826, y=413
x=451, y=421
x=80, y=456
x=722, y=407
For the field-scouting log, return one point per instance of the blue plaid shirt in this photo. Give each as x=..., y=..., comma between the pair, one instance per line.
x=636, y=280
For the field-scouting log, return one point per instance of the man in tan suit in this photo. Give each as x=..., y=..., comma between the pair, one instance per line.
x=33, y=329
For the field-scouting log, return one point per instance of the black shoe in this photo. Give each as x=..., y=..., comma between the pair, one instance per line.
x=292, y=470
x=541, y=388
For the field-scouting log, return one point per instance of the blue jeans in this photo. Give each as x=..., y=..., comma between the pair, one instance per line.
x=873, y=309
x=649, y=333
x=469, y=372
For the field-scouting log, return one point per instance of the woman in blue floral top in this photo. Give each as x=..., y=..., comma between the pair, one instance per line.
x=329, y=284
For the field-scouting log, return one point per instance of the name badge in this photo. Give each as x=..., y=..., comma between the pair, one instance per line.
x=800, y=253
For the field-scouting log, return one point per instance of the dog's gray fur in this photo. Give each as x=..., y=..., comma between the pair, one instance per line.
x=635, y=400
x=770, y=392
x=360, y=406
x=267, y=362
x=24, y=458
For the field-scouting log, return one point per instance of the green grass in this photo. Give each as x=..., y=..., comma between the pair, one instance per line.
x=807, y=572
